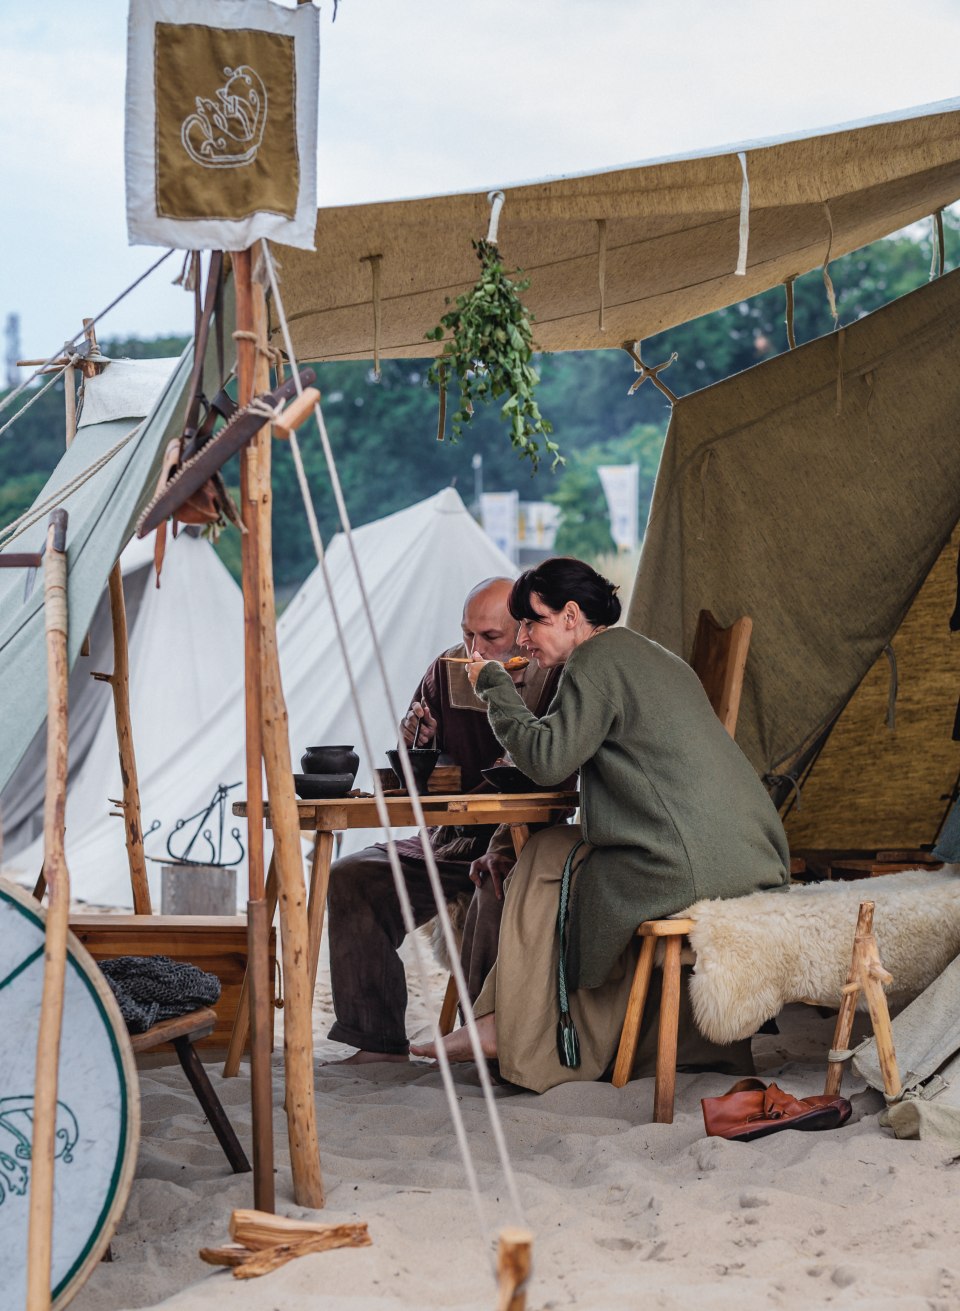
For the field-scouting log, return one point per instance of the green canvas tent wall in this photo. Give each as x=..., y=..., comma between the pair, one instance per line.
x=816, y=493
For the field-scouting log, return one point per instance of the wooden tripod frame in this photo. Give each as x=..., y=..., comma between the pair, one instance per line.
x=868, y=976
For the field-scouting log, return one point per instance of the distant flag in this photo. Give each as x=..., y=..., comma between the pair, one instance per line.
x=221, y=123
x=621, y=487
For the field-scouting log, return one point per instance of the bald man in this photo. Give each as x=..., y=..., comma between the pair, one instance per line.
x=366, y=926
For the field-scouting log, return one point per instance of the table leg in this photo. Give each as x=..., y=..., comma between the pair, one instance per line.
x=317, y=898
x=521, y=836
x=241, y=1024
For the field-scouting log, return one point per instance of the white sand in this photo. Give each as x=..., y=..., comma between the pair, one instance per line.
x=626, y=1213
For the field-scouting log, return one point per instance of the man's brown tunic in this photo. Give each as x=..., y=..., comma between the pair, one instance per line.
x=366, y=926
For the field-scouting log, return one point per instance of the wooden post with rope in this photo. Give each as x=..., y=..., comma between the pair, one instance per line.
x=43, y=1143
x=514, y=1264
x=867, y=975
x=297, y=1029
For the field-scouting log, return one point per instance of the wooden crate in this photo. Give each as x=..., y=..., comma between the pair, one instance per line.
x=215, y=943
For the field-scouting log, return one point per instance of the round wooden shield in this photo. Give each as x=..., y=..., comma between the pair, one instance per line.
x=98, y=1105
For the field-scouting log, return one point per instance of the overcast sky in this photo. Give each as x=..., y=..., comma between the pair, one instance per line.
x=437, y=95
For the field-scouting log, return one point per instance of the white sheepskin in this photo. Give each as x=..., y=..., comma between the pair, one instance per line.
x=756, y=954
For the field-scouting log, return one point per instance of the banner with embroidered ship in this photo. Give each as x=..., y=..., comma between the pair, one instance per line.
x=221, y=123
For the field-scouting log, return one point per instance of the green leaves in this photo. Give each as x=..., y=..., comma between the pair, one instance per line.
x=490, y=349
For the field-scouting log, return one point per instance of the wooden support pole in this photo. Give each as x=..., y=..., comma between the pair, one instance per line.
x=119, y=682
x=872, y=978
x=70, y=402
x=244, y=1016
x=43, y=1145
x=848, y=1002
x=284, y=817
x=514, y=1264
x=259, y=912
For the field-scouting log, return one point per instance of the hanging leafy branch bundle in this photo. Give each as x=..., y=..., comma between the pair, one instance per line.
x=490, y=349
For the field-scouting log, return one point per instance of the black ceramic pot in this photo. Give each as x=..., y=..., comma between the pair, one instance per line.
x=330, y=760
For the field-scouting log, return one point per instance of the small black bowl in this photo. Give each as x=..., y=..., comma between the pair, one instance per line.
x=423, y=761
x=322, y=787
x=507, y=778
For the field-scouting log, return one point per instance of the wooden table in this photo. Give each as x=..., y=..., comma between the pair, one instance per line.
x=325, y=818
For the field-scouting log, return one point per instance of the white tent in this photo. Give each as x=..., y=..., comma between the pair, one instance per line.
x=418, y=565
x=185, y=643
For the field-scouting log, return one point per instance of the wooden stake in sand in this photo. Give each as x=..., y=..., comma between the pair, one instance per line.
x=514, y=1264
x=43, y=1145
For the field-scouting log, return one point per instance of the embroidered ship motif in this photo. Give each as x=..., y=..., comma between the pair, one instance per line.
x=227, y=132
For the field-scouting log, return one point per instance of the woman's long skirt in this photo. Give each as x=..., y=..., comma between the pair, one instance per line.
x=522, y=987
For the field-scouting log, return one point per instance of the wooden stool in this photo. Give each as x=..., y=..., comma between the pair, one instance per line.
x=183, y=1032
x=673, y=933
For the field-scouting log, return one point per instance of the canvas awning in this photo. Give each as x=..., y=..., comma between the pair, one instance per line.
x=671, y=235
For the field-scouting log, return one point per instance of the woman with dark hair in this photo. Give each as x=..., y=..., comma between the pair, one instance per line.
x=671, y=812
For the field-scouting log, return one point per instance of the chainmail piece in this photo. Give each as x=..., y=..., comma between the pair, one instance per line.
x=149, y=989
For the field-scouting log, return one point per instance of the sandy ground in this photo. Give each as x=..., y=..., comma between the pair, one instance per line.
x=625, y=1212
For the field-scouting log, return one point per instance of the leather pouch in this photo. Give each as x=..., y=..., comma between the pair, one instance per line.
x=753, y=1109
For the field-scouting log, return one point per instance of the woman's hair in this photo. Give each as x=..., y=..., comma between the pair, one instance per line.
x=564, y=579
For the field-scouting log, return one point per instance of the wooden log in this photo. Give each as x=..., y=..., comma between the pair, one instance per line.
x=43, y=1144
x=119, y=682
x=294, y=933
x=229, y=1254
x=296, y=412
x=260, y=1229
x=271, y=1258
x=514, y=1263
x=848, y=1002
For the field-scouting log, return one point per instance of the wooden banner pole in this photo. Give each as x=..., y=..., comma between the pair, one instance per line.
x=43, y=1144
x=284, y=817
x=259, y=917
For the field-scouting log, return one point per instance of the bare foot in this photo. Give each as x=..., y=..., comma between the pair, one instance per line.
x=367, y=1058
x=457, y=1044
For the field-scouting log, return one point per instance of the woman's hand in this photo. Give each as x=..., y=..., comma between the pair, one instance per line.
x=474, y=666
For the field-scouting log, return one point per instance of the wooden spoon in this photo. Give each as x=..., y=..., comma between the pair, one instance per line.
x=515, y=662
